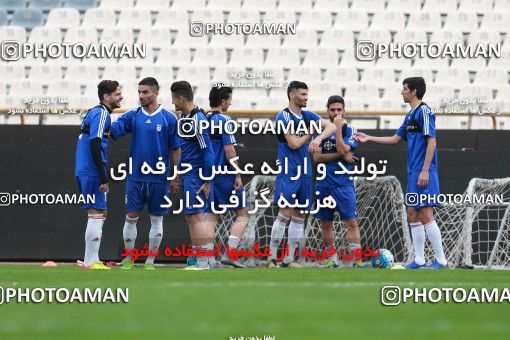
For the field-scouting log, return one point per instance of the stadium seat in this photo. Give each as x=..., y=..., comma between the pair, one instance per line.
x=406, y=36
x=231, y=41
x=286, y=57
x=355, y=104
x=394, y=63
x=65, y=119
x=322, y=56
x=431, y=64
x=183, y=38
x=503, y=93
x=389, y=90
x=241, y=103
x=249, y=93
x=462, y=21
x=271, y=103
x=264, y=41
x=425, y=73
x=117, y=4
x=247, y=56
x=44, y=5
x=452, y=76
x=484, y=37
x=378, y=75
x=337, y=39
x=504, y=61
x=12, y=71
x=375, y=36
x=176, y=19
x=91, y=88
x=315, y=20
x=80, y=5
x=407, y=6
x=444, y=6
x=100, y=18
x=348, y=58
x=193, y=74
x=341, y=75
x=321, y=91
x=161, y=73
x=119, y=72
x=373, y=5
x=12, y=5
x=15, y=33
x=139, y=61
x=437, y=92
x=63, y=87
x=303, y=39
x=242, y=16
x=202, y=88
x=296, y=5
x=501, y=5
x=3, y=17
x=496, y=21
x=266, y=5
x=492, y=77
x=136, y=19
x=208, y=16
x=189, y=4
x=476, y=92
x=226, y=73
x=360, y=91
x=271, y=73
x=26, y=88
x=478, y=6
x=386, y=105
x=481, y=123
x=63, y=18
x=27, y=18
x=155, y=36
x=210, y=56
x=224, y=5
x=82, y=71
x=153, y=5
x=174, y=56
x=391, y=21
x=117, y=35
x=424, y=21
x=471, y=64
x=444, y=37
x=45, y=34
x=305, y=74
x=82, y=102
x=352, y=20
x=333, y=5
x=282, y=16
x=45, y=72
x=85, y=35
x=447, y=122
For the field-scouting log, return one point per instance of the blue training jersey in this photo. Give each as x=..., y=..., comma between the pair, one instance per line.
x=153, y=136
x=195, y=150
x=298, y=157
x=419, y=123
x=219, y=138
x=96, y=124
x=329, y=146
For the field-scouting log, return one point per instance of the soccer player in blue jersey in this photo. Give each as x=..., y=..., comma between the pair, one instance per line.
x=226, y=185
x=419, y=131
x=197, y=151
x=339, y=186
x=293, y=150
x=153, y=131
x=90, y=170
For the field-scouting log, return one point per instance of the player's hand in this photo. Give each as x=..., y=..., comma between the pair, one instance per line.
x=423, y=179
x=361, y=137
x=338, y=121
x=238, y=183
x=205, y=188
x=350, y=158
x=175, y=186
x=314, y=145
x=104, y=188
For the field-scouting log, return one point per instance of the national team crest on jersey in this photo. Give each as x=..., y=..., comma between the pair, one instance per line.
x=158, y=127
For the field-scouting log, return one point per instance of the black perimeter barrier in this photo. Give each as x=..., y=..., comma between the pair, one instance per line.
x=40, y=159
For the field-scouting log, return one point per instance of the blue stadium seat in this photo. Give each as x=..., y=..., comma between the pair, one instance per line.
x=27, y=18
x=81, y=5
x=44, y=5
x=3, y=17
x=12, y=5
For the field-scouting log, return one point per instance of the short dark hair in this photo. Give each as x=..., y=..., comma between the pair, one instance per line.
x=149, y=81
x=294, y=85
x=182, y=89
x=335, y=99
x=106, y=87
x=416, y=83
x=218, y=93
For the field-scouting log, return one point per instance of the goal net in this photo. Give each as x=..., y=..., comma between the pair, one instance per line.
x=473, y=234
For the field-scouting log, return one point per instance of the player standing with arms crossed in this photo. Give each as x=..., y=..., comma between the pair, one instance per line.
x=294, y=150
x=419, y=131
x=90, y=168
x=153, y=141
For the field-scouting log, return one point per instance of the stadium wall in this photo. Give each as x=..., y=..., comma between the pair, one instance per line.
x=40, y=159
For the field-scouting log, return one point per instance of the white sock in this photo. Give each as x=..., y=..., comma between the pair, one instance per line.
x=353, y=253
x=96, y=257
x=93, y=238
x=155, y=236
x=210, y=247
x=296, y=233
x=277, y=232
x=129, y=235
x=233, y=242
x=418, y=233
x=434, y=235
x=202, y=260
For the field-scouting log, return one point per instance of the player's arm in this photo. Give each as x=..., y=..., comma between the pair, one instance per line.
x=328, y=129
x=363, y=138
x=429, y=130
x=97, y=127
x=208, y=155
x=174, y=142
x=295, y=142
x=122, y=126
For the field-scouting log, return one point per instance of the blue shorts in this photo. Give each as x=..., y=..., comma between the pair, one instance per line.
x=223, y=187
x=190, y=186
x=139, y=193
x=419, y=197
x=89, y=185
x=345, y=198
x=301, y=188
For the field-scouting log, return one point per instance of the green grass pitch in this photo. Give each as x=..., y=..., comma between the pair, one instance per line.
x=316, y=303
